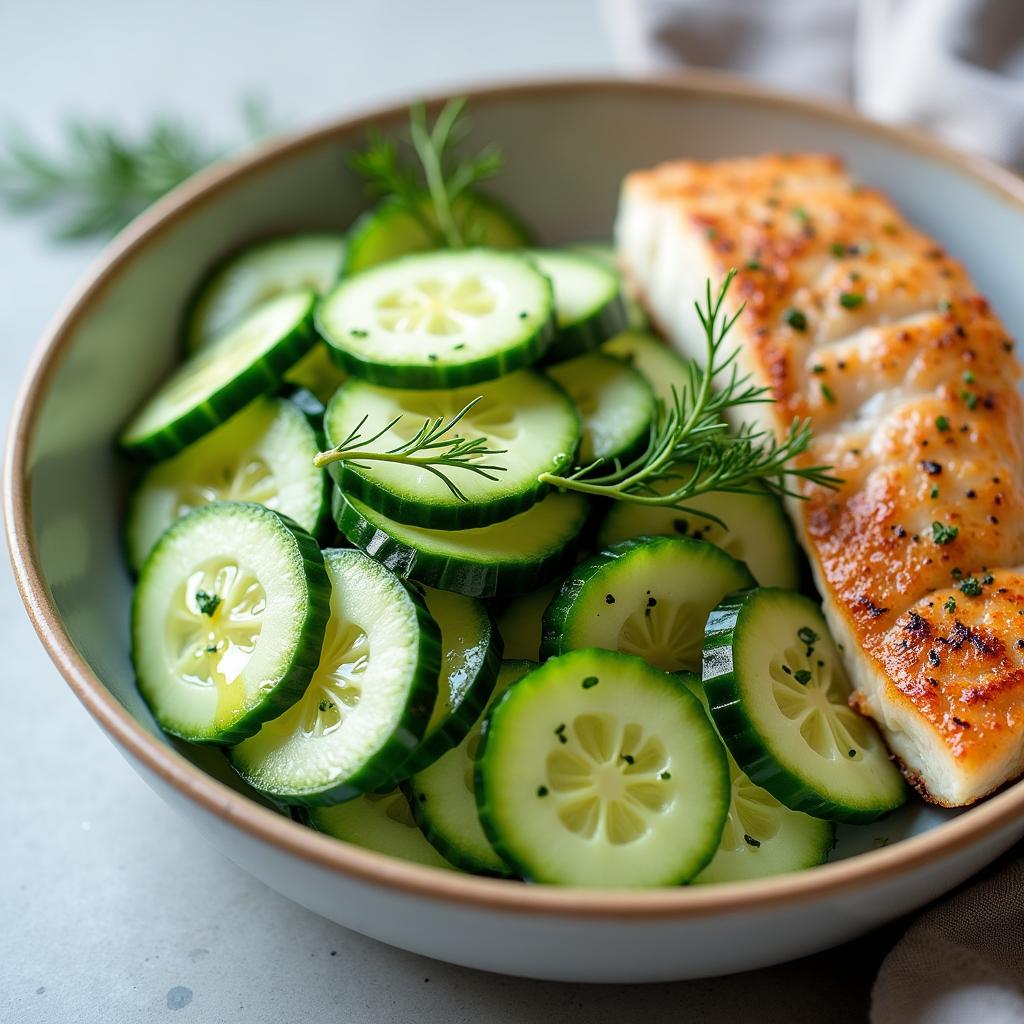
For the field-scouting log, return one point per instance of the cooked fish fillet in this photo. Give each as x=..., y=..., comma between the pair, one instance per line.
x=861, y=322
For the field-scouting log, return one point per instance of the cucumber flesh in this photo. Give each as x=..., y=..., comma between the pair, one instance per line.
x=780, y=698
x=523, y=416
x=381, y=822
x=588, y=301
x=470, y=659
x=368, y=704
x=246, y=361
x=439, y=319
x=441, y=795
x=510, y=557
x=598, y=770
x=227, y=622
x=761, y=837
x=662, y=368
x=616, y=405
x=259, y=273
x=389, y=230
x=262, y=454
x=648, y=597
x=757, y=530
x=605, y=254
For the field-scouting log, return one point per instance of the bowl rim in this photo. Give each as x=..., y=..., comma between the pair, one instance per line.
x=841, y=877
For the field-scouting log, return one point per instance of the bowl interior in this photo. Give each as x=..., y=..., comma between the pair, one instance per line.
x=567, y=148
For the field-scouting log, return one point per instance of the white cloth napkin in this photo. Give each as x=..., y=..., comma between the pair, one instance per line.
x=955, y=68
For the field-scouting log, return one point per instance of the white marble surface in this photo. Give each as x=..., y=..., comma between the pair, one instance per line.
x=111, y=908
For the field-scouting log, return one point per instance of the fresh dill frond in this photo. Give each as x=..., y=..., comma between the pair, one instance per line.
x=430, y=448
x=690, y=445
x=426, y=177
x=106, y=176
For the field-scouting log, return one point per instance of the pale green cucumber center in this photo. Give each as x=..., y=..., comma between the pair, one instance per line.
x=609, y=778
x=245, y=478
x=213, y=626
x=812, y=691
x=754, y=816
x=437, y=305
x=666, y=633
x=335, y=689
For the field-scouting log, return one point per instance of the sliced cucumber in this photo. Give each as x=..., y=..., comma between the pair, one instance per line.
x=605, y=254
x=262, y=454
x=368, y=704
x=389, y=230
x=615, y=405
x=761, y=837
x=510, y=557
x=653, y=360
x=779, y=696
x=439, y=319
x=757, y=529
x=441, y=796
x=588, y=301
x=249, y=359
x=649, y=597
x=227, y=621
x=471, y=656
x=519, y=622
x=267, y=270
x=596, y=769
x=262, y=272
x=523, y=415
x=381, y=822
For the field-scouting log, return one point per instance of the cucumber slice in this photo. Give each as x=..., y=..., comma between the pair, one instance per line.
x=520, y=622
x=596, y=769
x=267, y=270
x=368, y=704
x=439, y=319
x=471, y=656
x=605, y=254
x=263, y=454
x=653, y=360
x=588, y=301
x=523, y=414
x=389, y=230
x=616, y=405
x=262, y=272
x=649, y=597
x=757, y=530
x=227, y=621
x=779, y=696
x=381, y=822
x=761, y=837
x=441, y=796
x=224, y=376
x=510, y=557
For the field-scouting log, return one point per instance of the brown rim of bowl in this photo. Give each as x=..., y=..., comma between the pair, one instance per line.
x=262, y=824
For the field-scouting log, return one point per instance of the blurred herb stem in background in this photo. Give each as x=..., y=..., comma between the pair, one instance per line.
x=105, y=175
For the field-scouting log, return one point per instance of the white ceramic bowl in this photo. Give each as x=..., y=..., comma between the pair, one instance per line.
x=568, y=145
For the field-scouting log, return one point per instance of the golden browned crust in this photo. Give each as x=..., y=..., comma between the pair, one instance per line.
x=858, y=320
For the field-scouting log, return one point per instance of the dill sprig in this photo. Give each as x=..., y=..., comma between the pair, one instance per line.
x=429, y=448
x=105, y=176
x=429, y=188
x=691, y=447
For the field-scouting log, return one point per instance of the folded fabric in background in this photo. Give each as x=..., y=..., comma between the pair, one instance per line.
x=956, y=69
x=953, y=67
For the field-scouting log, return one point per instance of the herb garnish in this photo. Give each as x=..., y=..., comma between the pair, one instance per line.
x=970, y=587
x=429, y=189
x=943, y=534
x=429, y=448
x=207, y=603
